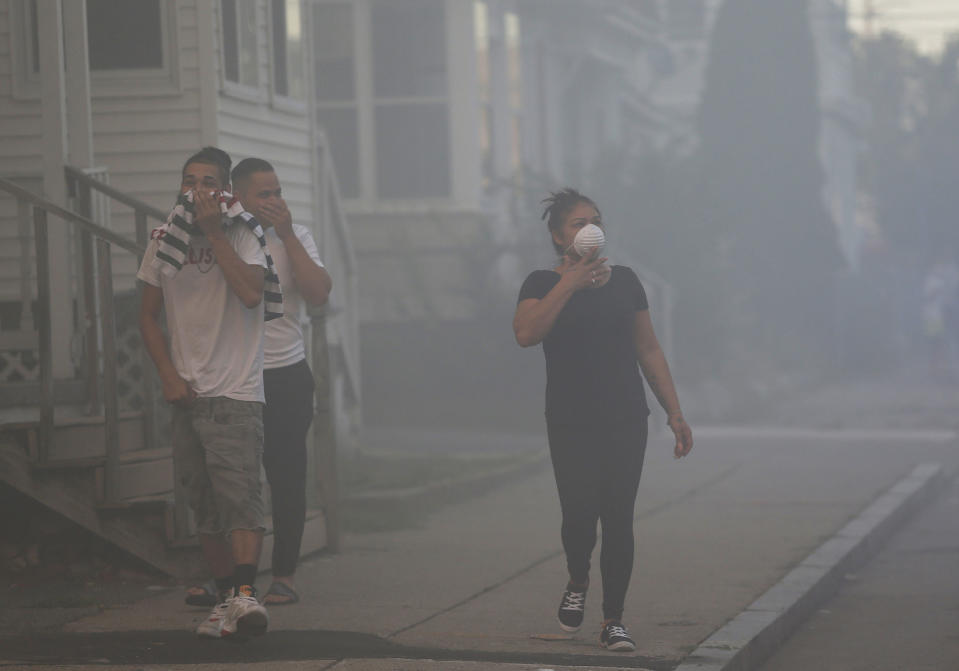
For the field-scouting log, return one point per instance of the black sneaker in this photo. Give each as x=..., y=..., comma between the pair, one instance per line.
x=572, y=609
x=615, y=637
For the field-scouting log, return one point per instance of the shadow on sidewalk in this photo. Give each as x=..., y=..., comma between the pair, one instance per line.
x=180, y=647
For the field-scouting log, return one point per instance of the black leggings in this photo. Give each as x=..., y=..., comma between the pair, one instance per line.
x=286, y=419
x=597, y=474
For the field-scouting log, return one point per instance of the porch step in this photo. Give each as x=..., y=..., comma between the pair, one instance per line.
x=142, y=522
x=142, y=473
x=25, y=417
x=79, y=463
x=68, y=494
x=77, y=435
x=158, y=503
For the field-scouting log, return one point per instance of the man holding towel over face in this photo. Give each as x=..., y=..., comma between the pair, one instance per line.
x=207, y=267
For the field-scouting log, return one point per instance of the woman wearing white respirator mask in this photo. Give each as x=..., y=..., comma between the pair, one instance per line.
x=593, y=320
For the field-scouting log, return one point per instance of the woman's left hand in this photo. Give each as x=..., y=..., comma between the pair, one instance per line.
x=601, y=275
x=683, y=433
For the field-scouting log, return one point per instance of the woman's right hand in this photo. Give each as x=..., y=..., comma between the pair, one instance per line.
x=585, y=272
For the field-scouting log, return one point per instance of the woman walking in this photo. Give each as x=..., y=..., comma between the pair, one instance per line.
x=593, y=320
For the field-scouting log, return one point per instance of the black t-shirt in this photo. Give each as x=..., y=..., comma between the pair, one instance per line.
x=591, y=370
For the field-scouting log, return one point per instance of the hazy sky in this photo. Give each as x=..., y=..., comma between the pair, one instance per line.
x=927, y=22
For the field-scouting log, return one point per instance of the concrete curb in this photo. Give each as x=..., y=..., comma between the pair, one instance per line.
x=744, y=642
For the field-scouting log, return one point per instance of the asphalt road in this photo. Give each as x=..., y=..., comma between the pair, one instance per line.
x=901, y=611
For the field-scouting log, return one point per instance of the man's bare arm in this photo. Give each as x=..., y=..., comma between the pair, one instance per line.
x=246, y=280
x=311, y=279
x=175, y=388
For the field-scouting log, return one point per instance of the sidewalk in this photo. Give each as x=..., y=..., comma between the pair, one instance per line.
x=478, y=584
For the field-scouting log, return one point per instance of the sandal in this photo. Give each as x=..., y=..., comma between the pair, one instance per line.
x=279, y=589
x=201, y=595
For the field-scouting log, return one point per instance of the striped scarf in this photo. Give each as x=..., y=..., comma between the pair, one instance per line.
x=174, y=241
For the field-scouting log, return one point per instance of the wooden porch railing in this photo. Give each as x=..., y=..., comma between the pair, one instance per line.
x=334, y=344
x=32, y=207
x=84, y=186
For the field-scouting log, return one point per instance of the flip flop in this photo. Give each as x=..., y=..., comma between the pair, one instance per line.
x=281, y=590
x=201, y=595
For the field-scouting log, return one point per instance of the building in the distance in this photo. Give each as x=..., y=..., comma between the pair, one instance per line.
x=449, y=120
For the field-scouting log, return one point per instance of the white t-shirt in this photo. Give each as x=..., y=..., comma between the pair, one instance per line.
x=283, y=341
x=216, y=342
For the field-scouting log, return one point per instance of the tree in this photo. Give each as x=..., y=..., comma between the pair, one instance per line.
x=890, y=76
x=938, y=151
x=653, y=212
x=776, y=244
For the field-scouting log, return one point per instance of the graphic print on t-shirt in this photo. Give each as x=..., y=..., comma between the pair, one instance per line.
x=201, y=255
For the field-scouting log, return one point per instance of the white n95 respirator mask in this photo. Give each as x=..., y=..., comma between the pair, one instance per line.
x=588, y=238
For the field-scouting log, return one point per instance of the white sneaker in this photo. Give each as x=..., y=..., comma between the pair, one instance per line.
x=244, y=617
x=212, y=626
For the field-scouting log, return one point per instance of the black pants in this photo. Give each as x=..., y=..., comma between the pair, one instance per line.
x=286, y=419
x=597, y=474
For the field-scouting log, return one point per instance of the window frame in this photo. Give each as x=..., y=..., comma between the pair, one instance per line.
x=119, y=83
x=24, y=82
x=237, y=90
x=366, y=103
x=318, y=106
x=279, y=101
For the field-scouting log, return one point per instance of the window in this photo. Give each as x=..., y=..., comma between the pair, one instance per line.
x=333, y=52
x=289, y=76
x=409, y=49
x=385, y=112
x=412, y=151
x=24, y=50
x=336, y=105
x=131, y=48
x=239, y=42
x=410, y=99
x=343, y=136
x=124, y=35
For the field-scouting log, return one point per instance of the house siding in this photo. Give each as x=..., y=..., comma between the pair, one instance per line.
x=20, y=135
x=142, y=135
x=142, y=139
